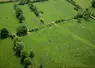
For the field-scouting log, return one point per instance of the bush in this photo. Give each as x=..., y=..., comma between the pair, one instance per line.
x=15, y=6
x=12, y=35
x=4, y=33
x=93, y=3
x=17, y=39
x=23, y=55
x=22, y=2
x=41, y=66
x=18, y=48
x=31, y=54
x=34, y=9
x=19, y=14
x=21, y=30
x=27, y=62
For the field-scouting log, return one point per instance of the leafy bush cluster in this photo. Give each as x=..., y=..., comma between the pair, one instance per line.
x=22, y=30
x=19, y=14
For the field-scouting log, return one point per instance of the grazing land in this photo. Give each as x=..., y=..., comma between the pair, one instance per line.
x=69, y=43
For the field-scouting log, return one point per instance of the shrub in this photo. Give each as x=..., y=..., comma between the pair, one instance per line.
x=4, y=33
x=93, y=3
x=15, y=6
x=34, y=9
x=19, y=14
x=17, y=39
x=27, y=62
x=18, y=48
x=23, y=55
x=41, y=66
x=12, y=35
x=31, y=54
x=21, y=2
x=21, y=30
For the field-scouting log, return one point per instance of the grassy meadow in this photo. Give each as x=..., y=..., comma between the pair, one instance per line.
x=68, y=44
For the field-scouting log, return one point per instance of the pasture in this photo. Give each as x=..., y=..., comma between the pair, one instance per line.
x=67, y=44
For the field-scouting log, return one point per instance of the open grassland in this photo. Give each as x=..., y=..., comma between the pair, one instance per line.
x=56, y=9
x=69, y=43
x=7, y=17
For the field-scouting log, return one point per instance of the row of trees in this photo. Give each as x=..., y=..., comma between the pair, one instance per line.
x=19, y=13
x=34, y=9
x=18, y=48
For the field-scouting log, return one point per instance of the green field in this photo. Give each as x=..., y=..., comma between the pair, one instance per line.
x=68, y=44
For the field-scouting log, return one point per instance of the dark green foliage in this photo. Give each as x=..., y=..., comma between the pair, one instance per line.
x=79, y=15
x=16, y=39
x=18, y=48
x=21, y=30
x=34, y=9
x=22, y=2
x=27, y=62
x=83, y=15
x=31, y=54
x=19, y=14
x=41, y=66
x=93, y=3
x=12, y=35
x=4, y=33
x=15, y=6
x=23, y=55
x=27, y=1
x=34, y=30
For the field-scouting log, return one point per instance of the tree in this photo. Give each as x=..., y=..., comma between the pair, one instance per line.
x=27, y=1
x=21, y=18
x=18, y=12
x=93, y=3
x=18, y=48
x=4, y=33
x=12, y=35
x=31, y=54
x=41, y=66
x=23, y=55
x=27, y=62
x=21, y=2
x=15, y=40
x=15, y=6
x=21, y=30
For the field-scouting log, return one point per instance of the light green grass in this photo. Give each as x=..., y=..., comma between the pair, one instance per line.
x=58, y=46
x=7, y=57
x=69, y=44
x=55, y=9
x=7, y=17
